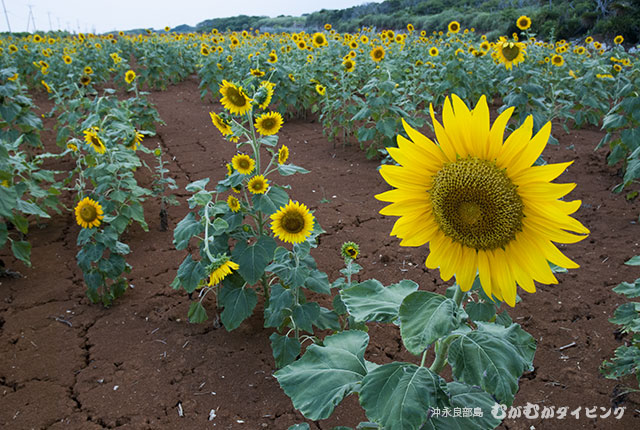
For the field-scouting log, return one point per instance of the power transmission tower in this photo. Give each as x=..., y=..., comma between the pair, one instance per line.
x=6, y=16
x=50, y=26
x=30, y=16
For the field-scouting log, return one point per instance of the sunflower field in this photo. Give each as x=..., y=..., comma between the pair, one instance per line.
x=457, y=128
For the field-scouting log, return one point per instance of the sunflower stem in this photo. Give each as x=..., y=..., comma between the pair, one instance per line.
x=206, y=232
x=442, y=352
x=458, y=295
x=424, y=356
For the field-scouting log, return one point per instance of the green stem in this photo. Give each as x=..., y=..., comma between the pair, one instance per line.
x=424, y=356
x=458, y=295
x=442, y=351
x=206, y=232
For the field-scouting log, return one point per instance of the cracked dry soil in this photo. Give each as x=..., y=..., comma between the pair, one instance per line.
x=68, y=364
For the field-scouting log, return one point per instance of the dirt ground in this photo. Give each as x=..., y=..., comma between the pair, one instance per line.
x=68, y=364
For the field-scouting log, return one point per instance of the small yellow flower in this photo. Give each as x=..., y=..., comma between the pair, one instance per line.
x=283, y=154
x=258, y=185
x=129, y=76
x=269, y=123
x=243, y=163
x=88, y=213
x=233, y=203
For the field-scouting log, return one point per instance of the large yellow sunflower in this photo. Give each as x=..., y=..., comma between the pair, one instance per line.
x=480, y=203
x=509, y=53
x=258, y=185
x=223, y=126
x=88, y=213
x=524, y=22
x=293, y=223
x=454, y=27
x=91, y=138
x=243, y=163
x=269, y=123
x=319, y=39
x=234, y=99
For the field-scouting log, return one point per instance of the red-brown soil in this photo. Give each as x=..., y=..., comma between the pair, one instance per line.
x=68, y=364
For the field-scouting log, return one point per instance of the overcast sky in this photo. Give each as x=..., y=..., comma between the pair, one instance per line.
x=108, y=15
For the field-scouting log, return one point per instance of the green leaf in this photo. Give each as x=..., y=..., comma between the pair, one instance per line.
x=197, y=185
x=306, y=314
x=285, y=349
x=633, y=261
x=303, y=426
x=290, y=169
x=8, y=198
x=32, y=209
x=628, y=289
x=464, y=396
x=324, y=375
x=238, y=302
x=426, y=317
x=253, y=259
x=483, y=359
x=318, y=281
x=4, y=234
x=398, y=395
x=626, y=362
x=22, y=251
x=190, y=274
x=522, y=341
x=197, y=313
x=280, y=304
x=21, y=223
x=626, y=314
x=327, y=320
x=271, y=201
x=185, y=230
x=371, y=301
x=480, y=311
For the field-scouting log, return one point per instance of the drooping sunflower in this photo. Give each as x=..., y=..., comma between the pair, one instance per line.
x=480, y=203
x=292, y=223
x=88, y=213
x=377, y=54
x=92, y=139
x=509, y=53
x=233, y=203
x=321, y=89
x=85, y=80
x=46, y=86
x=454, y=27
x=257, y=73
x=243, y=163
x=234, y=99
x=129, y=76
x=223, y=126
x=133, y=143
x=557, y=60
x=269, y=123
x=524, y=22
x=268, y=89
x=283, y=154
x=220, y=271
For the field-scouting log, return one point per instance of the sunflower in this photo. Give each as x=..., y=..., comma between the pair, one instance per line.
x=243, y=163
x=133, y=143
x=292, y=223
x=88, y=213
x=220, y=271
x=302, y=45
x=13, y=77
x=479, y=202
x=524, y=22
x=350, y=250
x=233, y=203
x=257, y=73
x=268, y=88
x=410, y=28
x=377, y=54
x=618, y=40
x=204, y=50
x=46, y=86
x=258, y=185
x=283, y=154
x=454, y=27
x=321, y=89
x=588, y=40
x=269, y=123
x=234, y=99
x=273, y=57
x=13, y=48
x=223, y=126
x=319, y=40
x=557, y=60
x=433, y=51
x=85, y=80
x=349, y=65
x=91, y=138
x=129, y=76
x=67, y=59
x=509, y=53
x=88, y=70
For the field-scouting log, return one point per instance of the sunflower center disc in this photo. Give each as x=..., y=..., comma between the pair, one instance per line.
x=510, y=52
x=237, y=98
x=292, y=222
x=268, y=124
x=476, y=204
x=88, y=213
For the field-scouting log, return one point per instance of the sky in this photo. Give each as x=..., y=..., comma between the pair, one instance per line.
x=108, y=15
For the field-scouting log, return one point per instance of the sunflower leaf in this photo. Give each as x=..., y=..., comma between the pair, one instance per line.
x=398, y=395
x=238, y=301
x=371, y=301
x=253, y=259
x=426, y=317
x=628, y=289
x=285, y=349
x=318, y=381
